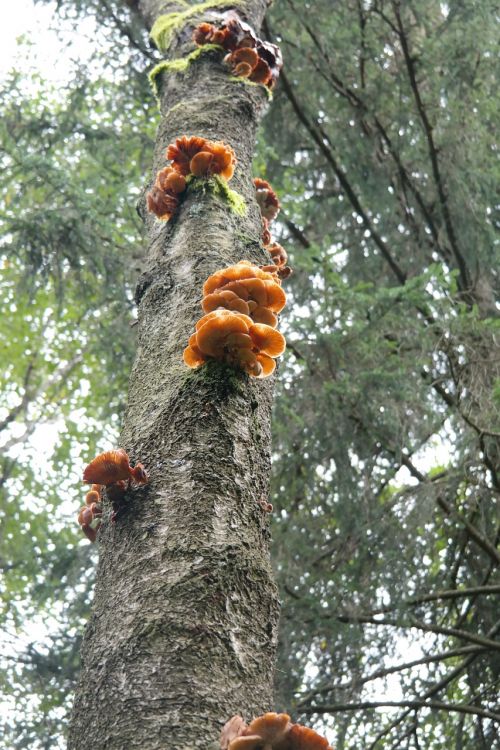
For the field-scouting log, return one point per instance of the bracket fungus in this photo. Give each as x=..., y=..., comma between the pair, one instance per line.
x=110, y=472
x=271, y=731
x=112, y=466
x=249, y=57
x=267, y=199
x=163, y=198
x=234, y=338
x=248, y=289
x=190, y=157
x=269, y=208
x=89, y=516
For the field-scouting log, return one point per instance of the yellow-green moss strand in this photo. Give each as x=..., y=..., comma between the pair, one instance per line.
x=166, y=25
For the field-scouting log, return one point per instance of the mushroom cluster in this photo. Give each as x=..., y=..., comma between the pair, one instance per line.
x=269, y=207
x=249, y=57
x=270, y=732
x=89, y=516
x=112, y=473
x=241, y=303
x=189, y=155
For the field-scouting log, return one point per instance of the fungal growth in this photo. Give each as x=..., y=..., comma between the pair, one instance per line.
x=190, y=157
x=270, y=732
x=109, y=473
x=248, y=56
x=269, y=208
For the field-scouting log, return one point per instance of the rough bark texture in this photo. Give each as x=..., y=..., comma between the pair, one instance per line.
x=183, y=630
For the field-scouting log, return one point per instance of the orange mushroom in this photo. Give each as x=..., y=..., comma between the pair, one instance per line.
x=267, y=199
x=262, y=73
x=266, y=234
x=200, y=164
x=182, y=151
x=305, y=738
x=170, y=181
x=162, y=204
x=204, y=34
x=224, y=159
x=278, y=254
x=231, y=729
x=92, y=497
x=225, y=298
x=241, y=270
x=215, y=327
x=271, y=731
x=242, y=61
x=112, y=466
x=267, y=340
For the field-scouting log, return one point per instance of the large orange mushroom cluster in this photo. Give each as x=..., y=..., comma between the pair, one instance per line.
x=270, y=732
x=112, y=473
x=249, y=57
x=241, y=303
x=269, y=207
x=189, y=155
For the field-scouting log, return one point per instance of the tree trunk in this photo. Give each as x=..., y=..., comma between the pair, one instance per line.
x=183, y=629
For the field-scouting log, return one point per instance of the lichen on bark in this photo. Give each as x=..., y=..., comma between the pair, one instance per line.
x=183, y=627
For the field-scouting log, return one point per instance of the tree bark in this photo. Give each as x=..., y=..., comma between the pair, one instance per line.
x=183, y=628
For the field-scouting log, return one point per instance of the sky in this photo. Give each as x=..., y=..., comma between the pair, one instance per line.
x=50, y=53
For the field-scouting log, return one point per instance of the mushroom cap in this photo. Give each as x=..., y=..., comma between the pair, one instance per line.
x=211, y=336
x=224, y=160
x=84, y=516
x=193, y=357
x=239, y=271
x=233, y=728
x=224, y=298
x=107, y=468
x=270, y=727
x=91, y=533
x=264, y=315
x=169, y=180
x=247, y=360
x=239, y=341
x=267, y=340
x=162, y=204
x=262, y=73
x=92, y=497
x=305, y=738
x=242, y=70
x=244, y=54
x=278, y=253
x=182, y=151
x=267, y=363
x=267, y=199
x=203, y=34
x=221, y=313
x=200, y=164
x=276, y=297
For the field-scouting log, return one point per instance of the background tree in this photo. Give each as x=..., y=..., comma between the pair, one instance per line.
x=379, y=141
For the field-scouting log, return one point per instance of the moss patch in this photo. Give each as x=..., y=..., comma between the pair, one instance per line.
x=218, y=186
x=168, y=24
x=179, y=65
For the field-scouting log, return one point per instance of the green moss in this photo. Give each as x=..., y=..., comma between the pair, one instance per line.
x=240, y=79
x=179, y=65
x=218, y=186
x=167, y=25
